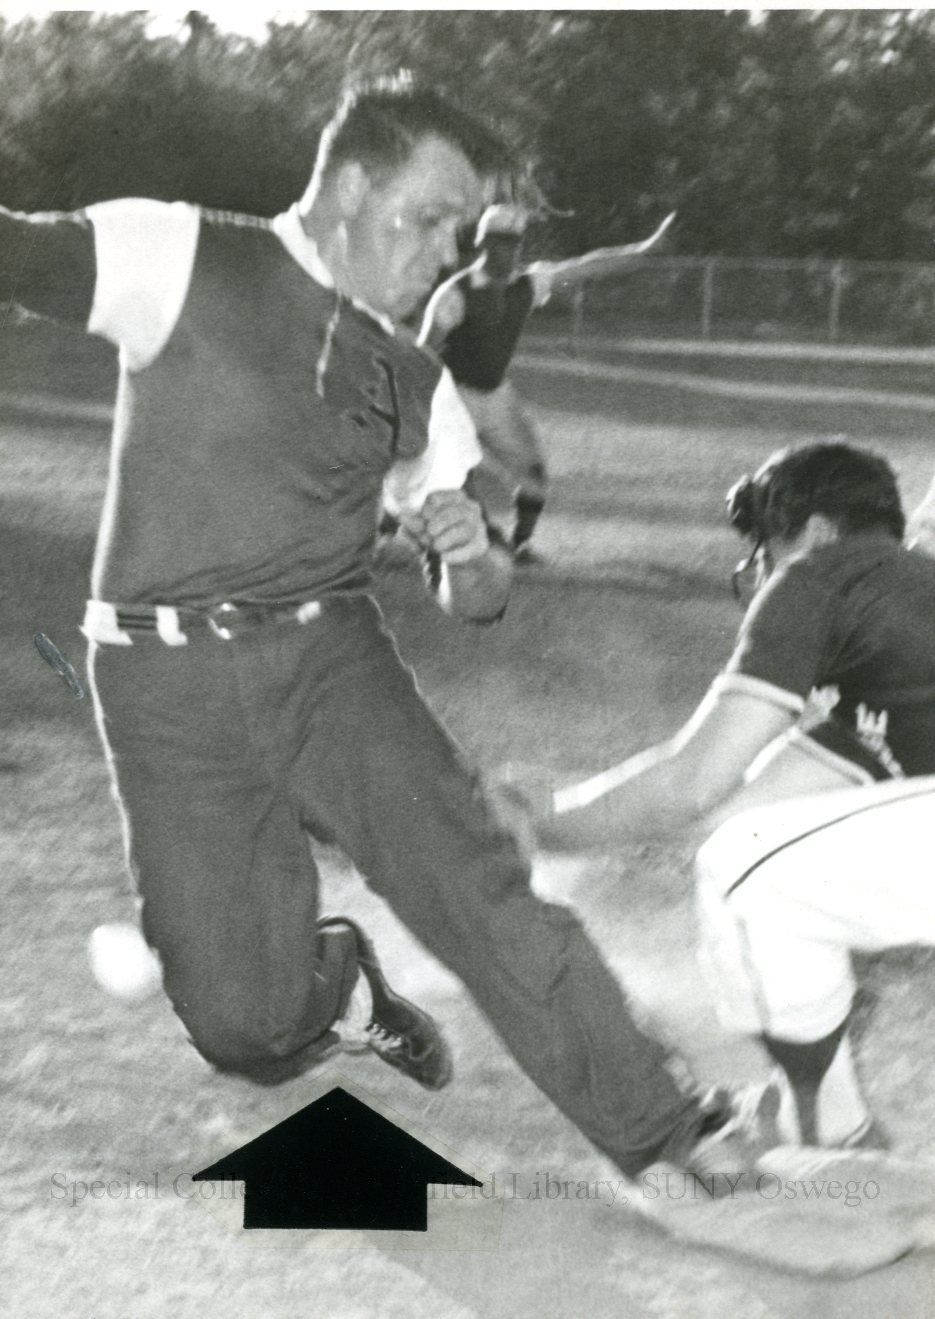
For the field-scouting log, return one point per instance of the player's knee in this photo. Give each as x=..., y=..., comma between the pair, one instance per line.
x=234, y=1043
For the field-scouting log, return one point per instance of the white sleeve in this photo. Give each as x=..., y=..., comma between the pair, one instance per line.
x=444, y=312
x=920, y=532
x=145, y=253
x=452, y=451
x=540, y=273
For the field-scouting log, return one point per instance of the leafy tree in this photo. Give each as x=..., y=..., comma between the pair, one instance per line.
x=801, y=133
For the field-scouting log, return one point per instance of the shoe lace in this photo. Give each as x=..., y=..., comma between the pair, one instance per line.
x=383, y=1035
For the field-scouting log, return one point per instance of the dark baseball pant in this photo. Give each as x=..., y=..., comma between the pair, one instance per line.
x=226, y=754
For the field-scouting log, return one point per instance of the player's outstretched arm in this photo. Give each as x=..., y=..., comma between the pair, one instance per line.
x=119, y=269
x=603, y=262
x=47, y=264
x=476, y=572
x=666, y=787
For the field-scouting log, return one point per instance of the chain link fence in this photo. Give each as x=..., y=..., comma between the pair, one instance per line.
x=710, y=298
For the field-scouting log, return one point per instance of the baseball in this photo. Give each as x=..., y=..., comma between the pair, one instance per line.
x=122, y=962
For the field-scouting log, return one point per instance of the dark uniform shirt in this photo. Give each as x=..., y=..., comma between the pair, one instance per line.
x=478, y=351
x=260, y=415
x=857, y=615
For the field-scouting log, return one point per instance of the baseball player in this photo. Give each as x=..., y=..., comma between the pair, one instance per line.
x=826, y=827
x=474, y=320
x=248, y=693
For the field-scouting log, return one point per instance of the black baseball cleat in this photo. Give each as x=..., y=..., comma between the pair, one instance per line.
x=395, y=1029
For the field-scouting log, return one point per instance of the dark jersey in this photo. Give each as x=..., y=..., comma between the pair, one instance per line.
x=478, y=351
x=260, y=415
x=859, y=616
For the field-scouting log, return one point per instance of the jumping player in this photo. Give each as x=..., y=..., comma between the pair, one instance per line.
x=474, y=321
x=248, y=693
x=827, y=828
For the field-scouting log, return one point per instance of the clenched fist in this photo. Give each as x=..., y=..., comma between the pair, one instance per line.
x=452, y=525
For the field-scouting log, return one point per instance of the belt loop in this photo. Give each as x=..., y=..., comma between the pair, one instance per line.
x=167, y=625
x=100, y=624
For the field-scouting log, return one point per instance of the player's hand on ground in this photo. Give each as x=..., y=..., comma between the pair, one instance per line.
x=453, y=526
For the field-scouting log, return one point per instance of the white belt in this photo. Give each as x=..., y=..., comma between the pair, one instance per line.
x=113, y=625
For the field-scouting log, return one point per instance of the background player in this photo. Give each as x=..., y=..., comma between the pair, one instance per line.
x=474, y=321
x=828, y=829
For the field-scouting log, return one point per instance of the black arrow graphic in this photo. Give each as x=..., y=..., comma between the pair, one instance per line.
x=336, y=1164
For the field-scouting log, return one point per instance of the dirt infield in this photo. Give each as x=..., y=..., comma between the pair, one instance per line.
x=608, y=642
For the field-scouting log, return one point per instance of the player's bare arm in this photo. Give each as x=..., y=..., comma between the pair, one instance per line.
x=47, y=264
x=666, y=787
x=604, y=262
x=476, y=573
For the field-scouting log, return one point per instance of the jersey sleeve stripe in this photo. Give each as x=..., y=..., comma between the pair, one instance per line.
x=745, y=685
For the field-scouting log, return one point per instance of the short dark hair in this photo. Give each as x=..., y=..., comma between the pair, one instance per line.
x=853, y=488
x=378, y=124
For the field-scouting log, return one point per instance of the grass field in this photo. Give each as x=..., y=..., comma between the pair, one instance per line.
x=609, y=641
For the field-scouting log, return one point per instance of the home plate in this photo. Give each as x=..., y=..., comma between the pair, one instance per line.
x=830, y=1213
x=860, y=1179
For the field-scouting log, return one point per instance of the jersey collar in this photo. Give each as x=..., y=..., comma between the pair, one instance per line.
x=287, y=227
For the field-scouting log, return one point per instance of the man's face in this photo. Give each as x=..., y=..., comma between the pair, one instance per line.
x=402, y=230
x=772, y=552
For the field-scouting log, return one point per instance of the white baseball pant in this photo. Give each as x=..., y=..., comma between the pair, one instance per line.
x=786, y=891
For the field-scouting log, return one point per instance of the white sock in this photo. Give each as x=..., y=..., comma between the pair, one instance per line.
x=840, y=1110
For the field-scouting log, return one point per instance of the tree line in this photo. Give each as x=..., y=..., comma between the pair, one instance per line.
x=790, y=134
